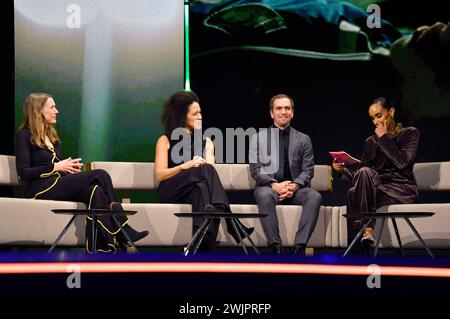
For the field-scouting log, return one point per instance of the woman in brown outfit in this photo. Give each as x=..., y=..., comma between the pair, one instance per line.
x=385, y=174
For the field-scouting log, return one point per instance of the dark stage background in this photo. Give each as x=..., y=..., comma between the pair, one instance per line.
x=238, y=62
x=236, y=66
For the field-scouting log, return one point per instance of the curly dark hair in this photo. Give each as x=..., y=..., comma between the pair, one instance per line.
x=176, y=108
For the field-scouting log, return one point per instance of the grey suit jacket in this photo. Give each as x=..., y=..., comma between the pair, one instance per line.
x=264, y=163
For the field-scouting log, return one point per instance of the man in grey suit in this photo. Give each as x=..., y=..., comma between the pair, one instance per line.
x=283, y=176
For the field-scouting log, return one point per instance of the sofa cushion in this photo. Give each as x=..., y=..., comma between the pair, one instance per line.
x=31, y=222
x=434, y=230
x=288, y=219
x=167, y=229
x=128, y=175
x=135, y=175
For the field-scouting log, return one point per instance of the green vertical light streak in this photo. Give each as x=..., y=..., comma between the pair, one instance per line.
x=187, y=81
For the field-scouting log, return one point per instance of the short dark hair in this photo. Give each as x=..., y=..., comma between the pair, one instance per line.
x=176, y=108
x=280, y=96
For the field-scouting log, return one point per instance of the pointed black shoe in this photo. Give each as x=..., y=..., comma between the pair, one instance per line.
x=276, y=249
x=132, y=233
x=298, y=250
x=230, y=230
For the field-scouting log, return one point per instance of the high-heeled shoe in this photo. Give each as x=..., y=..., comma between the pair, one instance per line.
x=116, y=206
x=231, y=231
x=368, y=237
x=132, y=233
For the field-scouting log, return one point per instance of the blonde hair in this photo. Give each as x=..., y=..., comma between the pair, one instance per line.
x=34, y=120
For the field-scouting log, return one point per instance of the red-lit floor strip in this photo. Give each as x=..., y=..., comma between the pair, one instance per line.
x=155, y=267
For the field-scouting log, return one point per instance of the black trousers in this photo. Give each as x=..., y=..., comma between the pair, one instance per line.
x=93, y=188
x=198, y=186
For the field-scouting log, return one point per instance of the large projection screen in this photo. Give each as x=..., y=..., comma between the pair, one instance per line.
x=109, y=66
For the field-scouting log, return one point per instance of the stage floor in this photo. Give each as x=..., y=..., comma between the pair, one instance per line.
x=175, y=283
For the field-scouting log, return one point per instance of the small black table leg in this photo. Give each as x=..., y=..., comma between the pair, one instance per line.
x=62, y=234
x=252, y=244
x=194, y=238
x=379, y=237
x=357, y=237
x=124, y=233
x=203, y=233
x=397, y=234
x=419, y=237
x=248, y=237
x=235, y=228
x=94, y=234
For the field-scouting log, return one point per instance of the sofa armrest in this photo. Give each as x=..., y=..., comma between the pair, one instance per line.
x=433, y=176
x=8, y=172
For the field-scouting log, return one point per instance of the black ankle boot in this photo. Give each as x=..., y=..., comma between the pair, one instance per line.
x=132, y=233
x=116, y=206
x=230, y=230
x=276, y=248
x=209, y=208
x=298, y=250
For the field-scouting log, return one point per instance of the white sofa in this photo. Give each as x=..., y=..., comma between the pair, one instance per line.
x=31, y=222
x=167, y=229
